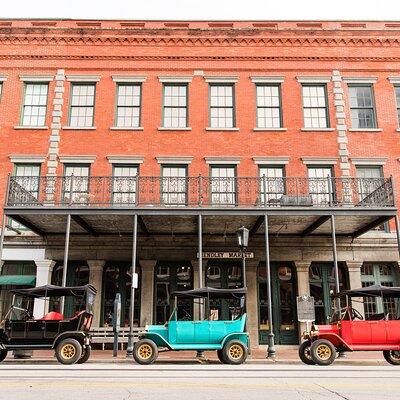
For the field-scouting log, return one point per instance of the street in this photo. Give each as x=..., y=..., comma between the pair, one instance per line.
x=95, y=381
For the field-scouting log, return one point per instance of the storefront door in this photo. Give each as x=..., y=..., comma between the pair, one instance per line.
x=322, y=283
x=283, y=287
x=224, y=275
x=117, y=279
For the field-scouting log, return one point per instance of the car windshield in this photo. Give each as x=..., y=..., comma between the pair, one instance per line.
x=21, y=309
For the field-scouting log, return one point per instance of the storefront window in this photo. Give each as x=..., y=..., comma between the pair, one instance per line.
x=379, y=274
x=171, y=277
x=224, y=276
x=77, y=275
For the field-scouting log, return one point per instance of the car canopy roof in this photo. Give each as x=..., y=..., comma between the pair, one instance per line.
x=371, y=291
x=56, y=291
x=211, y=292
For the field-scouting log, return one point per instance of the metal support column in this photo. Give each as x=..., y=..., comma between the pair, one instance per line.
x=271, y=336
x=3, y=232
x=396, y=218
x=335, y=262
x=129, y=349
x=65, y=265
x=200, y=229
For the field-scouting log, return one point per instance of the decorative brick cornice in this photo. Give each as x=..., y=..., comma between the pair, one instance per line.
x=155, y=39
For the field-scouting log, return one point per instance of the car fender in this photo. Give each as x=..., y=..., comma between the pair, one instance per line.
x=156, y=338
x=241, y=336
x=80, y=336
x=333, y=337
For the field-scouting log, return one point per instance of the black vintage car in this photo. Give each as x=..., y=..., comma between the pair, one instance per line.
x=69, y=337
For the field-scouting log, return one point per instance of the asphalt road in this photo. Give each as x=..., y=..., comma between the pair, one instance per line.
x=184, y=381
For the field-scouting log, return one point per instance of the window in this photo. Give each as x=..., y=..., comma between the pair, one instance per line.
x=82, y=105
x=318, y=184
x=362, y=110
x=222, y=112
x=175, y=113
x=268, y=106
x=397, y=91
x=370, y=178
x=379, y=274
x=274, y=183
x=128, y=105
x=223, y=187
x=174, y=184
x=35, y=104
x=76, y=184
x=1, y=89
x=124, y=184
x=171, y=277
x=27, y=176
x=315, y=107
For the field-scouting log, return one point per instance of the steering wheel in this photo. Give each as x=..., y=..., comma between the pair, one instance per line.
x=356, y=314
x=187, y=316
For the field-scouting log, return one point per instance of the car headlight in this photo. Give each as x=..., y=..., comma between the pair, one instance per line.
x=146, y=327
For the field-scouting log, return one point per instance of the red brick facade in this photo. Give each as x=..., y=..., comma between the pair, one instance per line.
x=243, y=49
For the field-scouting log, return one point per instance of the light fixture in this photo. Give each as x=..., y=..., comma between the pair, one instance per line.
x=243, y=237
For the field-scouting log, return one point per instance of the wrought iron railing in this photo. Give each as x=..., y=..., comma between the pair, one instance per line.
x=147, y=191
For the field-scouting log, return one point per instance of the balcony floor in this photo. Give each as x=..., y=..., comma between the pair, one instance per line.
x=183, y=221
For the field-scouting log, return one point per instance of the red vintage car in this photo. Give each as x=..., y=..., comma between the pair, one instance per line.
x=348, y=331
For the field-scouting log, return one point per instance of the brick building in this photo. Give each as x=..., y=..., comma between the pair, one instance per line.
x=191, y=130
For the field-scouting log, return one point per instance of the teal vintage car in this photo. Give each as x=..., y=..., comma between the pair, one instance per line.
x=228, y=338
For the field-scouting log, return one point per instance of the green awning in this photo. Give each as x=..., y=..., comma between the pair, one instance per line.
x=18, y=280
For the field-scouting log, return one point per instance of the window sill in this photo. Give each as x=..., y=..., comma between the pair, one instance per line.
x=121, y=128
x=222, y=129
x=398, y=130
x=79, y=128
x=31, y=127
x=365, y=130
x=162, y=128
x=317, y=129
x=269, y=129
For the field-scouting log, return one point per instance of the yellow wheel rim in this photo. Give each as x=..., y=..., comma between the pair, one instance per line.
x=324, y=352
x=68, y=351
x=236, y=352
x=145, y=351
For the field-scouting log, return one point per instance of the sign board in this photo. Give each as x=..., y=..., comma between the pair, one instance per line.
x=135, y=280
x=226, y=254
x=305, y=308
x=117, y=312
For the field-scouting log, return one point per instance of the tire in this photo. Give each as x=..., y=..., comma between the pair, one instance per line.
x=145, y=352
x=392, y=356
x=304, y=353
x=86, y=351
x=323, y=352
x=3, y=355
x=235, y=352
x=220, y=355
x=68, y=351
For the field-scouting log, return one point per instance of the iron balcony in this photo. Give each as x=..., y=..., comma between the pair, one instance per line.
x=238, y=192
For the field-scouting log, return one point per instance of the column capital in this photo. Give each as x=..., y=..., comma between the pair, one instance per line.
x=147, y=264
x=96, y=265
x=354, y=266
x=195, y=263
x=47, y=265
x=302, y=266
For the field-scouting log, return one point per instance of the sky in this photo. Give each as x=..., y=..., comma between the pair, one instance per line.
x=204, y=9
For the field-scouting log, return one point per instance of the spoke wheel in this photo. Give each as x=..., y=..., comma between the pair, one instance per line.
x=392, y=356
x=305, y=353
x=322, y=352
x=234, y=352
x=87, y=350
x=145, y=351
x=69, y=351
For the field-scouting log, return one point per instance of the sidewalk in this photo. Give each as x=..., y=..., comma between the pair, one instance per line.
x=284, y=355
